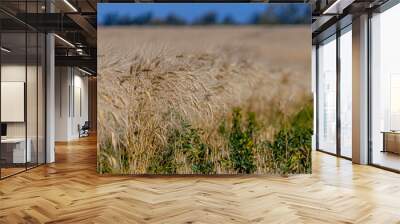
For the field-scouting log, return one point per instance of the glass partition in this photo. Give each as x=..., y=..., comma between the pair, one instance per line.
x=22, y=89
x=31, y=99
x=346, y=92
x=31, y=76
x=41, y=96
x=327, y=95
x=14, y=153
x=385, y=89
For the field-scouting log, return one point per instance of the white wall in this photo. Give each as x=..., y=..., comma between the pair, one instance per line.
x=79, y=117
x=33, y=126
x=62, y=82
x=12, y=73
x=70, y=83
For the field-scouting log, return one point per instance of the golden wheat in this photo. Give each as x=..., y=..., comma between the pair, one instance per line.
x=147, y=76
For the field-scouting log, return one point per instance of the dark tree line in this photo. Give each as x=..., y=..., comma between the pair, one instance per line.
x=278, y=14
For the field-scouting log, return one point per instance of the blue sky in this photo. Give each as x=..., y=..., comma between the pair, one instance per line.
x=189, y=11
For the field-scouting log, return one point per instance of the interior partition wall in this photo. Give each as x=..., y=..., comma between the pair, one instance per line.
x=334, y=94
x=22, y=89
x=385, y=89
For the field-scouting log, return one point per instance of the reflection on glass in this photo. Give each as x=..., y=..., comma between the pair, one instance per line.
x=31, y=100
x=385, y=84
x=327, y=96
x=15, y=151
x=346, y=94
x=41, y=98
x=22, y=90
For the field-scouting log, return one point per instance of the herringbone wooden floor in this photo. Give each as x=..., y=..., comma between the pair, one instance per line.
x=70, y=191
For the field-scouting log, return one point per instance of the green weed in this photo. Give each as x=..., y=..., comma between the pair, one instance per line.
x=187, y=140
x=241, y=142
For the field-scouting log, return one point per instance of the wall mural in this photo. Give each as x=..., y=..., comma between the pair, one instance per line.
x=204, y=89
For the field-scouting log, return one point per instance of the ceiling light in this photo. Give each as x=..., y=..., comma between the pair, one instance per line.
x=337, y=7
x=65, y=41
x=5, y=50
x=333, y=6
x=84, y=71
x=79, y=51
x=70, y=5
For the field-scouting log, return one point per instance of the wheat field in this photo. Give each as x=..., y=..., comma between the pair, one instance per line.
x=204, y=100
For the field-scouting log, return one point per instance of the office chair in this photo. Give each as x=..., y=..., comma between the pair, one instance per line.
x=84, y=130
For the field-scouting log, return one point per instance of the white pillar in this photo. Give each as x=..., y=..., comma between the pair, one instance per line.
x=63, y=99
x=360, y=90
x=50, y=99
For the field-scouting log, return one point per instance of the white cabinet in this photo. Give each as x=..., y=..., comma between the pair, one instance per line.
x=19, y=155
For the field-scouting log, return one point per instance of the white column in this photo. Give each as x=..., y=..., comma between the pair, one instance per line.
x=63, y=76
x=360, y=90
x=50, y=92
x=50, y=99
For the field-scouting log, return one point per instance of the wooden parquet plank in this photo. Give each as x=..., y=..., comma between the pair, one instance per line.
x=70, y=191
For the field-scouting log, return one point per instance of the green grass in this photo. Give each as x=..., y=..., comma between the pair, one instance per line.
x=247, y=150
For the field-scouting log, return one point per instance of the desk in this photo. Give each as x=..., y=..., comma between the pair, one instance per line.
x=391, y=141
x=13, y=150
